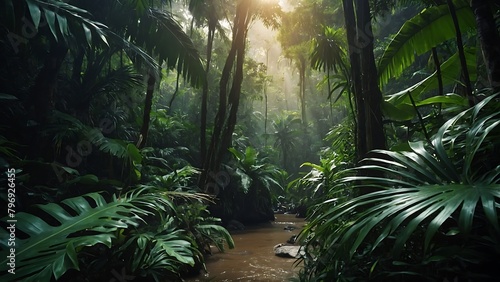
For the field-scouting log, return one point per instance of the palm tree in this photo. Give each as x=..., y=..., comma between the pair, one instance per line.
x=212, y=12
x=230, y=89
x=328, y=54
x=294, y=37
x=490, y=40
x=286, y=135
x=158, y=33
x=370, y=132
x=129, y=24
x=258, y=181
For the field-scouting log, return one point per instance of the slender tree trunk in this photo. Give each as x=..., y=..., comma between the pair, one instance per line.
x=438, y=74
x=329, y=93
x=438, y=71
x=490, y=40
x=204, y=96
x=303, y=92
x=354, y=57
x=220, y=117
x=265, y=99
x=234, y=100
x=265, y=118
x=77, y=65
x=148, y=103
x=461, y=53
x=174, y=95
x=225, y=123
x=375, y=137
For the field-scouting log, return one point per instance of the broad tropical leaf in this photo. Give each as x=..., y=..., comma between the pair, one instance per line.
x=159, y=253
x=398, y=106
x=453, y=181
x=166, y=40
x=216, y=234
x=49, y=250
x=419, y=34
x=450, y=72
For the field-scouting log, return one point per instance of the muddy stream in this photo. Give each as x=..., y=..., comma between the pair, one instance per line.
x=253, y=258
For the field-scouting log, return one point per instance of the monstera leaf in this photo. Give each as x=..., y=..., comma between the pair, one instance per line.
x=47, y=244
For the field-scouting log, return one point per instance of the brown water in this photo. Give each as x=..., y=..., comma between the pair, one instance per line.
x=253, y=258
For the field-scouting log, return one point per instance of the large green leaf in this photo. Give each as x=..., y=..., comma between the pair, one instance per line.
x=61, y=16
x=34, y=12
x=49, y=250
x=114, y=147
x=419, y=34
x=420, y=189
x=160, y=35
x=399, y=107
x=450, y=72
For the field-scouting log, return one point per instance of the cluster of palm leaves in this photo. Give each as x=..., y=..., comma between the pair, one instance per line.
x=258, y=184
x=148, y=232
x=434, y=216
x=315, y=185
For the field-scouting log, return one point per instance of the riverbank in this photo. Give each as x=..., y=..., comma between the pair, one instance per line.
x=253, y=257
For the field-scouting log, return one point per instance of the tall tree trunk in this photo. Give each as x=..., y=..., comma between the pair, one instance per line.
x=370, y=131
x=438, y=71
x=265, y=98
x=148, y=103
x=354, y=57
x=204, y=95
x=77, y=65
x=224, y=123
x=375, y=137
x=490, y=40
x=174, y=95
x=303, y=92
x=233, y=101
x=329, y=93
x=461, y=53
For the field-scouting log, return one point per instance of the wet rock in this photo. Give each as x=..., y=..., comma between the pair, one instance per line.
x=235, y=225
x=292, y=239
x=286, y=251
x=290, y=227
x=301, y=211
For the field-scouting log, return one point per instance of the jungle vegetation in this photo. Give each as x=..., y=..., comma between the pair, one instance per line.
x=133, y=132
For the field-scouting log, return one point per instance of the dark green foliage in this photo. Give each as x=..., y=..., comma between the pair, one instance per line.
x=435, y=214
x=418, y=35
x=250, y=198
x=49, y=250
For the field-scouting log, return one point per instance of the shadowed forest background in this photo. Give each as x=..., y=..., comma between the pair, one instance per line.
x=134, y=134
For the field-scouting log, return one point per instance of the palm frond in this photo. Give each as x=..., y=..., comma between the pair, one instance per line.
x=62, y=19
x=420, y=189
x=450, y=71
x=159, y=254
x=168, y=41
x=418, y=35
x=49, y=250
